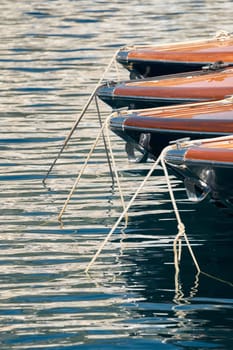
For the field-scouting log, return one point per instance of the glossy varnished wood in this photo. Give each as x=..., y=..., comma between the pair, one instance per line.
x=220, y=151
x=201, y=117
x=204, y=51
x=214, y=85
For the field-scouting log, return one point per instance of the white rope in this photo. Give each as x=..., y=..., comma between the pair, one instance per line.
x=82, y=169
x=93, y=94
x=122, y=215
x=115, y=168
x=182, y=233
x=103, y=127
x=82, y=113
x=181, y=227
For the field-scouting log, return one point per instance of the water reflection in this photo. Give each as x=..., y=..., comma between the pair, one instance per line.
x=52, y=54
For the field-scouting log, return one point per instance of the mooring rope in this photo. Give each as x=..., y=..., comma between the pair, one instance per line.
x=104, y=127
x=82, y=169
x=181, y=228
x=177, y=244
x=115, y=169
x=122, y=215
x=104, y=139
x=82, y=113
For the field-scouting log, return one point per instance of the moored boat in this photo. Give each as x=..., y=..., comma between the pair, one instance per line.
x=182, y=88
x=153, y=60
x=150, y=130
x=206, y=167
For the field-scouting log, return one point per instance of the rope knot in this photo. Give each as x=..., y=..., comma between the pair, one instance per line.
x=181, y=228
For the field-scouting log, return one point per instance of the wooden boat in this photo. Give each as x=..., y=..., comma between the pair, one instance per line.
x=206, y=167
x=150, y=130
x=152, y=60
x=181, y=88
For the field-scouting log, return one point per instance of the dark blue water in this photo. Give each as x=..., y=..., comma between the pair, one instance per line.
x=52, y=54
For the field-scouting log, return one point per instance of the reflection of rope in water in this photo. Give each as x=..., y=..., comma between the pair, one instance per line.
x=179, y=297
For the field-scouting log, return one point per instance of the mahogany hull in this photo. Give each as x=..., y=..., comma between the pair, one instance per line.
x=154, y=60
x=169, y=90
x=150, y=130
x=206, y=167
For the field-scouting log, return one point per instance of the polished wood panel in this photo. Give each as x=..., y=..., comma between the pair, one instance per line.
x=200, y=117
x=215, y=85
x=206, y=51
x=212, y=151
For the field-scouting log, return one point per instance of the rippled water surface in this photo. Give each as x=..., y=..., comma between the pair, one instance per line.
x=52, y=54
